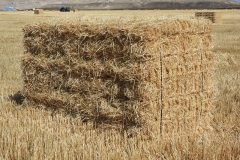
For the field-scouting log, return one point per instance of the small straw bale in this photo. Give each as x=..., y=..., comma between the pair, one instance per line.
x=75, y=10
x=214, y=17
x=38, y=11
x=149, y=74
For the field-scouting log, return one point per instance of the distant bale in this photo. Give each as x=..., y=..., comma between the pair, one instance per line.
x=215, y=17
x=75, y=10
x=38, y=11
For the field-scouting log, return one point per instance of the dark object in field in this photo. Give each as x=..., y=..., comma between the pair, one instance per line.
x=64, y=9
x=18, y=98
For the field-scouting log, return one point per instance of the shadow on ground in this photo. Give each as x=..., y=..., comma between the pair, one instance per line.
x=17, y=98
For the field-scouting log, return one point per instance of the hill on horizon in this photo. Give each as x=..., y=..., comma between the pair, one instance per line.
x=121, y=4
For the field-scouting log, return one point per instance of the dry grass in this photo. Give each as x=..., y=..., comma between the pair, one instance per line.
x=27, y=133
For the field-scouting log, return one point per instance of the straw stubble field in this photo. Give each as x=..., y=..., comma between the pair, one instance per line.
x=28, y=133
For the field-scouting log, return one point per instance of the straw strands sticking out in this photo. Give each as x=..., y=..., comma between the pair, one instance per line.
x=120, y=72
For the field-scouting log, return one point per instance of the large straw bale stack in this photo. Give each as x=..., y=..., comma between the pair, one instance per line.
x=143, y=73
x=38, y=11
x=215, y=17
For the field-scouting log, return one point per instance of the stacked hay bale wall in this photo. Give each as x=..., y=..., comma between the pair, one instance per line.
x=38, y=11
x=148, y=74
x=215, y=17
